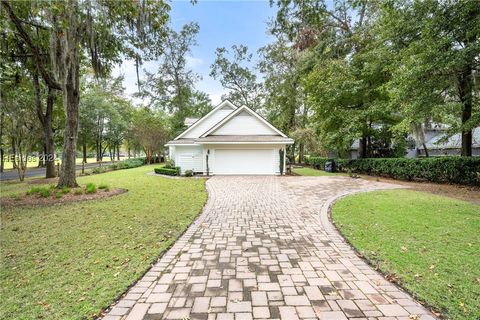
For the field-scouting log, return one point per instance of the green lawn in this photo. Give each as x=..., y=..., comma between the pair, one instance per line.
x=307, y=171
x=431, y=243
x=71, y=261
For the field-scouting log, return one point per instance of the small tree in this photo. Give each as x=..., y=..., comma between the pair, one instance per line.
x=151, y=131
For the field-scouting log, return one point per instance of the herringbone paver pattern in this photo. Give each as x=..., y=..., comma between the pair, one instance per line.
x=263, y=248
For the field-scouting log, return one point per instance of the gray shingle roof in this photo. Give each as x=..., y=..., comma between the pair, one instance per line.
x=234, y=138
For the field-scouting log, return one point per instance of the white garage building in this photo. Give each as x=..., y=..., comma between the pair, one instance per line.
x=230, y=141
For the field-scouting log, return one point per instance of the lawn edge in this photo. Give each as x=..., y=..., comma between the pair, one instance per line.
x=326, y=212
x=104, y=311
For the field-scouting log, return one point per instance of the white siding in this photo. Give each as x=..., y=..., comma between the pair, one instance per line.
x=244, y=124
x=189, y=158
x=274, y=166
x=209, y=122
x=244, y=161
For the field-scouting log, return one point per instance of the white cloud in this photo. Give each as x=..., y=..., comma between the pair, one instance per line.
x=192, y=62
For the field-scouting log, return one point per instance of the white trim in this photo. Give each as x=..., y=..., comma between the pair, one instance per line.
x=234, y=113
x=182, y=144
x=222, y=104
x=247, y=142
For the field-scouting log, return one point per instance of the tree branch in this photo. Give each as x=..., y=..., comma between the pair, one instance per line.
x=35, y=51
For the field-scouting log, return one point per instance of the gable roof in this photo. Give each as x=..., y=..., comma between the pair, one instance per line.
x=224, y=104
x=237, y=112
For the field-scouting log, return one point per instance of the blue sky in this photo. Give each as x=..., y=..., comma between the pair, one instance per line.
x=222, y=24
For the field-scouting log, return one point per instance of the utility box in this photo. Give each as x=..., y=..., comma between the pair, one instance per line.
x=330, y=166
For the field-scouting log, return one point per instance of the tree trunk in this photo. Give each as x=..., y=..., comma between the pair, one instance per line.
x=84, y=152
x=301, y=153
x=46, y=121
x=14, y=155
x=465, y=89
x=2, y=160
x=41, y=156
x=2, y=153
x=362, y=147
x=425, y=149
x=118, y=152
x=71, y=96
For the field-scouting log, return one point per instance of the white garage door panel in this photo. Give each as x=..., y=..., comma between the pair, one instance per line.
x=244, y=161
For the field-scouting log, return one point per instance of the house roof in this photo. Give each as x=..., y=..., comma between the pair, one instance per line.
x=268, y=136
x=237, y=139
x=243, y=138
x=453, y=142
x=238, y=111
x=223, y=104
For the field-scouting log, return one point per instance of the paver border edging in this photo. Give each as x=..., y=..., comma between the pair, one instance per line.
x=165, y=256
x=327, y=221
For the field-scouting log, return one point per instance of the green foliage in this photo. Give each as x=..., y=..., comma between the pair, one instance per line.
x=78, y=192
x=429, y=242
x=460, y=170
x=65, y=190
x=232, y=70
x=90, y=188
x=58, y=194
x=168, y=171
x=127, y=164
x=97, y=170
x=103, y=186
x=188, y=173
x=42, y=191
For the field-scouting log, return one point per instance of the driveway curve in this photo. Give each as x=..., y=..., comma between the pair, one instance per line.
x=264, y=248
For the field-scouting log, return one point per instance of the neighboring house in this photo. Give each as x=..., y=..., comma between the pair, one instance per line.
x=230, y=140
x=437, y=145
x=436, y=142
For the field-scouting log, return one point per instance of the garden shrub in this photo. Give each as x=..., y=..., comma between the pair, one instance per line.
x=42, y=191
x=317, y=162
x=175, y=171
x=58, y=194
x=188, y=173
x=99, y=170
x=65, y=190
x=91, y=188
x=103, y=186
x=453, y=169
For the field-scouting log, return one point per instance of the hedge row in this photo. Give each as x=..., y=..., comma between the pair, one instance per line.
x=460, y=170
x=125, y=164
x=168, y=171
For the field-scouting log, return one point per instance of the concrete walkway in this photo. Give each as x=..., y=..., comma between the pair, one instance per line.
x=264, y=248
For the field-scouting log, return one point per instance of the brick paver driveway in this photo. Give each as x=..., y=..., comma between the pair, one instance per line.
x=264, y=248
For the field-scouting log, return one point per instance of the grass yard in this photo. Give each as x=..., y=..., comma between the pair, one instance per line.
x=71, y=261
x=430, y=243
x=307, y=171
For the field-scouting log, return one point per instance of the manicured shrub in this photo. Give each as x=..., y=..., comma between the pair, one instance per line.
x=91, y=188
x=188, y=173
x=168, y=171
x=103, y=186
x=459, y=170
x=317, y=162
x=99, y=170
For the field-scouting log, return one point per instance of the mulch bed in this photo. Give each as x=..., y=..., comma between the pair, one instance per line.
x=36, y=200
x=466, y=193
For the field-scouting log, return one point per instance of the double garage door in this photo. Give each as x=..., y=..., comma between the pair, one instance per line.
x=245, y=161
